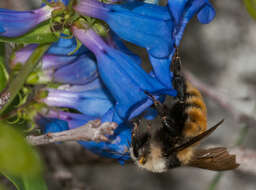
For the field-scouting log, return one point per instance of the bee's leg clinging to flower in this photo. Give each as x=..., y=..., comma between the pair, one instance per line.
x=161, y=108
x=178, y=80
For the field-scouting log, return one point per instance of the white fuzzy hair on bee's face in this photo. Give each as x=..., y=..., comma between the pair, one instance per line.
x=155, y=162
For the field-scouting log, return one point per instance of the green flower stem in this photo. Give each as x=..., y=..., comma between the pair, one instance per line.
x=17, y=83
x=3, y=72
x=215, y=181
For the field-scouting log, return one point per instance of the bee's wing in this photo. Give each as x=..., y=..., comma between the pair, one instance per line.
x=196, y=138
x=216, y=159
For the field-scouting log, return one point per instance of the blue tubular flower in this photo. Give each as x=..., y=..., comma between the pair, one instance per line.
x=94, y=102
x=59, y=53
x=51, y=125
x=66, y=46
x=82, y=71
x=177, y=8
x=95, y=84
x=125, y=79
x=79, y=72
x=56, y=56
x=49, y=61
x=74, y=120
x=115, y=42
x=186, y=9
x=21, y=56
x=161, y=70
x=16, y=23
x=183, y=10
x=56, y=61
x=143, y=24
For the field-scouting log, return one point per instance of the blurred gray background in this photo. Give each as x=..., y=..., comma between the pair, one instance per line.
x=222, y=55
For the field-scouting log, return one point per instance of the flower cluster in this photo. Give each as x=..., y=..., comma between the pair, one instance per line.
x=97, y=76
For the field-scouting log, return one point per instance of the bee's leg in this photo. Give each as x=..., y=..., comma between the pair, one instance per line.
x=161, y=108
x=178, y=80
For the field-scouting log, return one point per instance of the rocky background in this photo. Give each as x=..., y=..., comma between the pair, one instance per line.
x=222, y=55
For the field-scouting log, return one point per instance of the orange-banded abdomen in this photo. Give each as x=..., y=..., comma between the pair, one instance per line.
x=196, y=111
x=195, y=122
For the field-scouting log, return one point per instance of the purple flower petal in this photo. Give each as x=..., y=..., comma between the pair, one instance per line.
x=16, y=23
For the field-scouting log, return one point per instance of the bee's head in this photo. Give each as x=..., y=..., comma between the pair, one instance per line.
x=149, y=147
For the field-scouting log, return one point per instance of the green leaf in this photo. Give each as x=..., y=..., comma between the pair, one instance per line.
x=3, y=72
x=18, y=160
x=42, y=34
x=251, y=7
x=27, y=183
x=34, y=183
x=17, y=157
x=16, y=181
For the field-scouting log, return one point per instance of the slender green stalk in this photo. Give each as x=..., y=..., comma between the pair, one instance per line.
x=215, y=181
x=17, y=82
x=3, y=73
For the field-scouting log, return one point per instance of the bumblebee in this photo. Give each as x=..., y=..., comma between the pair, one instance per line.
x=172, y=144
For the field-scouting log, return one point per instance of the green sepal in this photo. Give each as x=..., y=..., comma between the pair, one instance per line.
x=38, y=77
x=78, y=45
x=101, y=28
x=42, y=34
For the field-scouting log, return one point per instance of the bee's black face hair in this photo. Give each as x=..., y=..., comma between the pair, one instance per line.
x=150, y=147
x=140, y=140
x=140, y=145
